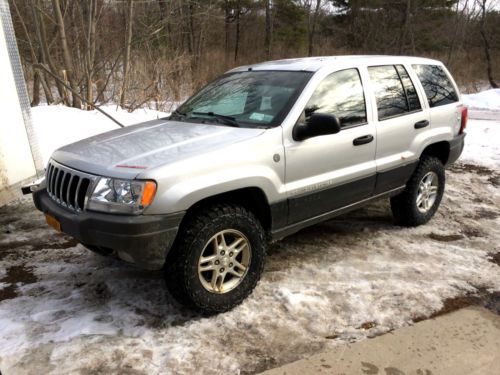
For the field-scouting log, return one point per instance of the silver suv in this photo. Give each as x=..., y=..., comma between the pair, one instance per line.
x=261, y=152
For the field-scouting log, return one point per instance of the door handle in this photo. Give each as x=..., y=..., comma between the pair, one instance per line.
x=362, y=140
x=421, y=124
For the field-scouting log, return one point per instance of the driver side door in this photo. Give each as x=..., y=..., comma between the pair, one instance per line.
x=328, y=172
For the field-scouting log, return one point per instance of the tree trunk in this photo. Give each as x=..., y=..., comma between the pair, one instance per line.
x=312, y=28
x=404, y=27
x=193, y=48
x=227, y=21
x=455, y=31
x=45, y=55
x=91, y=47
x=161, y=5
x=44, y=79
x=36, y=90
x=237, y=38
x=126, y=59
x=268, y=38
x=486, y=45
x=66, y=52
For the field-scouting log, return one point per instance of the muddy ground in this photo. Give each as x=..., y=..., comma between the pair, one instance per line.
x=64, y=309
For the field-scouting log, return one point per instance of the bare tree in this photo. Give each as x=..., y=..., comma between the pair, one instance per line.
x=68, y=63
x=90, y=40
x=237, y=37
x=126, y=59
x=45, y=55
x=311, y=25
x=486, y=43
x=405, y=26
x=269, y=36
x=458, y=18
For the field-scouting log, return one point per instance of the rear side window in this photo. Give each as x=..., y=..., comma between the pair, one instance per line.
x=340, y=94
x=437, y=85
x=389, y=92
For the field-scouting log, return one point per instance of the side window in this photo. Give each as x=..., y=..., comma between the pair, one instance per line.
x=411, y=93
x=389, y=92
x=437, y=85
x=340, y=94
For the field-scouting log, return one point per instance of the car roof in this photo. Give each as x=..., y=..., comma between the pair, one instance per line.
x=313, y=64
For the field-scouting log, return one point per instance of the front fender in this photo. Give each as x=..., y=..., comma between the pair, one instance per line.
x=184, y=194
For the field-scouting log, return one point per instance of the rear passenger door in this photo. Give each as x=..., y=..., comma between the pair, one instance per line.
x=441, y=96
x=399, y=121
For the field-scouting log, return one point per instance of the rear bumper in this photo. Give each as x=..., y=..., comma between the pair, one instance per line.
x=456, y=148
x=143, y=239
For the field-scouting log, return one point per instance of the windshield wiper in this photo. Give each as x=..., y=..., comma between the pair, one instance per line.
x=177, y=114
x=226, y=120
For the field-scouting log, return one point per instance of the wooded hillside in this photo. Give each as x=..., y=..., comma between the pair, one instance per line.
x=152, y=52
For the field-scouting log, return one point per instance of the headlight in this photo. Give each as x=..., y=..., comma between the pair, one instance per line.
x=121, y=196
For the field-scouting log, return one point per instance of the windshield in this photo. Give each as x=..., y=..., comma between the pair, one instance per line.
x=245, y=99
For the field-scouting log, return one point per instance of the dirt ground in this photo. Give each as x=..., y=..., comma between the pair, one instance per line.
x=64, y=309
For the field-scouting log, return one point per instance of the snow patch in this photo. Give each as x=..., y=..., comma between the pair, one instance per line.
x=489, y=100
x=482, y=143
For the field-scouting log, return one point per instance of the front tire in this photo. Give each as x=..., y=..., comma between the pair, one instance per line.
x=217, y=260
x=423, y=193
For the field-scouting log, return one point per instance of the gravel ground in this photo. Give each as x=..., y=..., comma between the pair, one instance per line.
x=66, y=310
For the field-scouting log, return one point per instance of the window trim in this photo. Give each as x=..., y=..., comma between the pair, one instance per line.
x=400, y=115
x=404, y=89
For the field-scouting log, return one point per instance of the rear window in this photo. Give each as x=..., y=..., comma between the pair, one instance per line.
x=437, y=85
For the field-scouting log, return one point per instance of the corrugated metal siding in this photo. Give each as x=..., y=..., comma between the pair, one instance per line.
x=22, y=91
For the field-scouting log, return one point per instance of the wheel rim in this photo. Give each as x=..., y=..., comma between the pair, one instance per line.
x=224, y=261
x=427, y=192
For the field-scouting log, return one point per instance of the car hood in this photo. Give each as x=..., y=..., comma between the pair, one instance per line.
x=129, y=151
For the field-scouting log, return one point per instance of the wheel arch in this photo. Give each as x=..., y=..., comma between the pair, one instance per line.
x=252, y=199
x=440, y=150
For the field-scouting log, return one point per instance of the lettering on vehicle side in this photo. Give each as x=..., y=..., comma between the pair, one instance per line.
x=310, y=188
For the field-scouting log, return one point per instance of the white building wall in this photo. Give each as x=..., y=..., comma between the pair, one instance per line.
x=19, y=156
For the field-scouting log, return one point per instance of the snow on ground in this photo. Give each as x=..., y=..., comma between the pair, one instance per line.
x=64, y=309
x=482, y=143
x=486, y=100
x=56, y=126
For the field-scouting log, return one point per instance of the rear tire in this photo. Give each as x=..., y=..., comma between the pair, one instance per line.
x=423, y=193
x=217, y=260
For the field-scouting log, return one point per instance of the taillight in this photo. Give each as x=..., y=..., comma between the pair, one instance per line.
x=465, y=116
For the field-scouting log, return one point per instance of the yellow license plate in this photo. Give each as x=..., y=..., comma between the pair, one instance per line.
x=53, y=222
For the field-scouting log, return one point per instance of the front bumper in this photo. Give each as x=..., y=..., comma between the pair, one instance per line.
x=143, y=239
x=456, y=148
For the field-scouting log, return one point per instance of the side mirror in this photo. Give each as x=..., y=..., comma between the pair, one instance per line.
x=318, y=124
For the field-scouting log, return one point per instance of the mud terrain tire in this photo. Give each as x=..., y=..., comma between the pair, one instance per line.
x=182, y=267
x=405, y=207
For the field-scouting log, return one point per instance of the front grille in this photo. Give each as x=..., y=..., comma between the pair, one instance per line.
x=67, y=186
